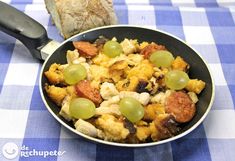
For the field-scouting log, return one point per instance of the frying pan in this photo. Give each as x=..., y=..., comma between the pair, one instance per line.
x=33, y=35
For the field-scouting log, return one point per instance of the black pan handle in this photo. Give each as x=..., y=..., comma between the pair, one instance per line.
x=17, y=24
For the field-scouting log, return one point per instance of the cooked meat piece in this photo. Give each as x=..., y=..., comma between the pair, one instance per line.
x=129, y=46
x=56, y=94
x=85, y=49
x=180, y=105
x=108, y=90
x=55, y=74
x=86, y=128
x=149, y=49
x=113, y=109
x=64, y=111
x=84, y=89
x=143, y=98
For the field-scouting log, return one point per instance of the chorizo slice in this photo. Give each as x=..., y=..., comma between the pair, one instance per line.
x=180, y=105
x=85, y=49
x=84, y=89
x=149, y=49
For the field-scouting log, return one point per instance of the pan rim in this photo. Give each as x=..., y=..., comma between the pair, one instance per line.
x=125, y=144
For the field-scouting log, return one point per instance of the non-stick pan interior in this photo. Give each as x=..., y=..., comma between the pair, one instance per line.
x=198, y=68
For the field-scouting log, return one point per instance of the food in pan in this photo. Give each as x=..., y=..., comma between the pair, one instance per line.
x=74, y=16
x=127, y=92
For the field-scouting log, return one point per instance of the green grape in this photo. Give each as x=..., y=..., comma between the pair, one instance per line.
x=112, y=49
x=161, y=58
x=176, y=79
x=81, y=108
x=74, y=73
x=131, y=109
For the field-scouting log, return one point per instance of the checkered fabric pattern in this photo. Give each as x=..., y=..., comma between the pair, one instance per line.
x=208, y=25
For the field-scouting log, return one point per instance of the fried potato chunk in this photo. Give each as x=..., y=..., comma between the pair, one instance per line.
x=143, y=132
x=152, y=110
x=55, y=74
x=56, y=94
x=195, y=85
x=113, y=129
x=180, y=64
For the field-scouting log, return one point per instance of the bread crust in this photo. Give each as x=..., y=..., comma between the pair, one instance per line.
x=74, y=16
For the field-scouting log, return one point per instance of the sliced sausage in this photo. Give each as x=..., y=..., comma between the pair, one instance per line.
x=149, y=49
x=84, y=89
x=86, y=49
x=180, y=105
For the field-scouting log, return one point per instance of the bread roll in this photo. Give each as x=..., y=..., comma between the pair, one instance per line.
x=74, y=16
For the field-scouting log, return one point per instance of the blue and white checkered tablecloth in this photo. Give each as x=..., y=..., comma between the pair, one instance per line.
x=208, y=25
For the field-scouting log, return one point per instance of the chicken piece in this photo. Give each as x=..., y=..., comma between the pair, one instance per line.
x=143, y=98
x=64, y=111
x=86, y=128
x=161, y=97
x=112, y=128
x=195, y=85
x=149, y=49
x=108, y=90
x=129, y=46
x=193, y=97
x=86, y=49
x=72, y=56
x=144, y=70
x=154, y=131
x=55, y=74
x=84, y=89
x=179, y=64
x=113, y=109
x=109, y=106
x=127, y=84
x=151, y=111
x=143, y=133
x=56, y=94
x=110, y=101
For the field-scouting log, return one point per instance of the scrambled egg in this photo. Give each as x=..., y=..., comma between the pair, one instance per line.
x=144, y=70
